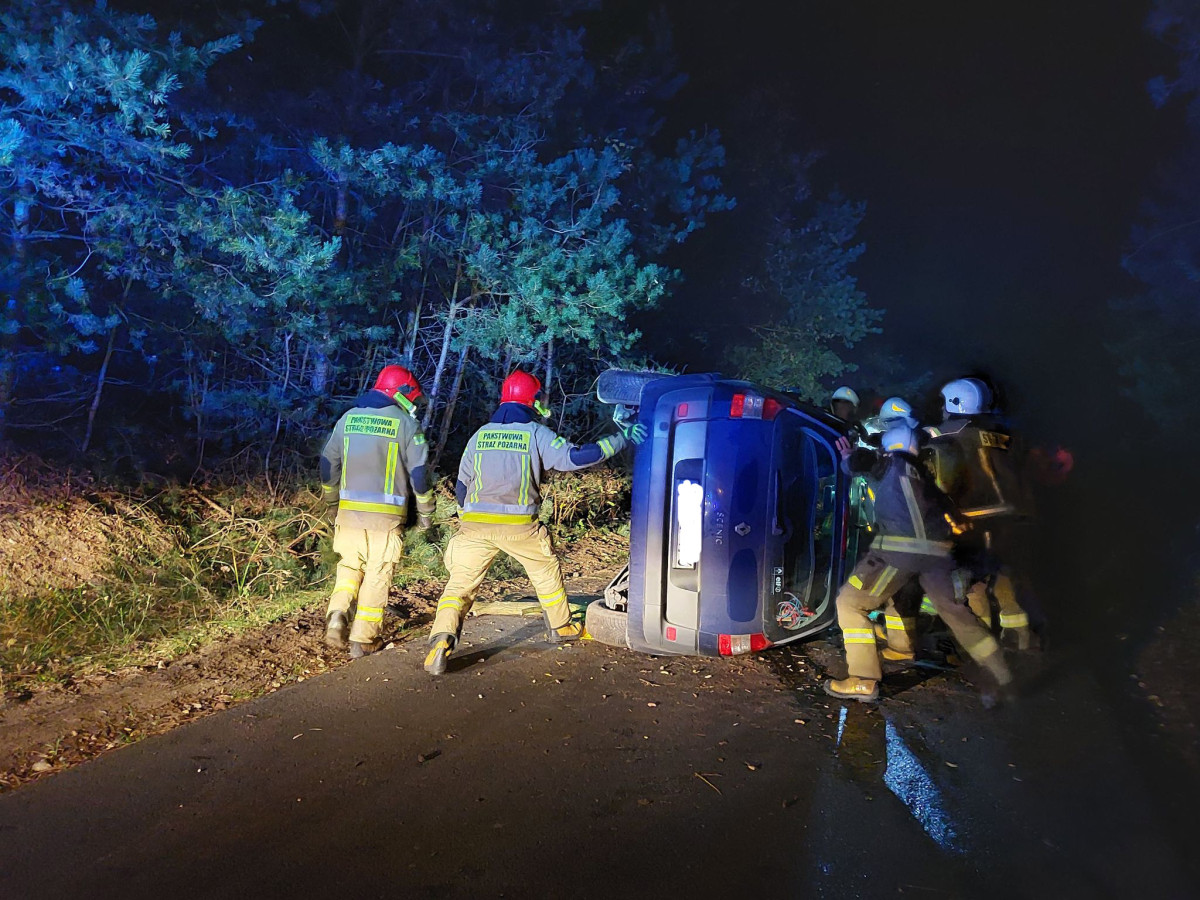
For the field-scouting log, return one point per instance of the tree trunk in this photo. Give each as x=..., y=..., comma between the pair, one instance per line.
x=100, y=379
x=12, y=317
x=318, y=383
x=448, y=413
x=447, y=334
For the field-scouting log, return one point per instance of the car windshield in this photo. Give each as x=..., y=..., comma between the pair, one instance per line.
x=806, y=478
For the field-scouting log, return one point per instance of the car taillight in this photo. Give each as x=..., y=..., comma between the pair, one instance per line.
x=746, y=406
x=733, y=644
x=681, y=411
x=752, y=406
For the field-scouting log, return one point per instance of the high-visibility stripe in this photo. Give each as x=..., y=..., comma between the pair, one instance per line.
x=497, y=518
x=896, y=623
x=558, y=443
x=389, y=472
x=606, y=447
x=927, y=606
x=526, y=470
x=478, y=482
x=350, y=587
x=370, y=614
x=450, y=603
x=983, y=511
x=345, y=459
x=858, y=635
x=901, y=544
x=914, y=512
x=1014, y=620
x=855, y=581
x=885, y=578
x=982, y=648
x=329, y=489
x=389, y=509
x=425, y=497
x=418, y=439
x=554, y=599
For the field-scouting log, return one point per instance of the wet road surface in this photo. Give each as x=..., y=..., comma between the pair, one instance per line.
x=586, y=771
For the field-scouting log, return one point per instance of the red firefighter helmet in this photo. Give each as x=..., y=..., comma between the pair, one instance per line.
x=399, y=384
x=520, y=387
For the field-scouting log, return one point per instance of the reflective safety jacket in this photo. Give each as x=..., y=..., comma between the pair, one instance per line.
x=978, y=462
x=375, y=452
x=500, y=476
x=911, y=514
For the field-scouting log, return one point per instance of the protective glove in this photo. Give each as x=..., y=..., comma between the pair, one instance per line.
x=634, y=432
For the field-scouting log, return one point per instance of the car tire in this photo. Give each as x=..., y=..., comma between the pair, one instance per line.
x=623, y=386
x=608, y=626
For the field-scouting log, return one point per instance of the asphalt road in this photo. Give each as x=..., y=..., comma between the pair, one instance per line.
x=585, y=771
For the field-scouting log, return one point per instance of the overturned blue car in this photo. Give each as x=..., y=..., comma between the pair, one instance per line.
x=741, y=522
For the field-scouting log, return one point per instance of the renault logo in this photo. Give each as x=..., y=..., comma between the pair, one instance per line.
x=742, y=529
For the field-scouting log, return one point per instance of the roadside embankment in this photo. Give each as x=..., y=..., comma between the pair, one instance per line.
x=125, y=612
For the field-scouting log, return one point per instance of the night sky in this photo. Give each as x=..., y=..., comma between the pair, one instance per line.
x=1002, y=150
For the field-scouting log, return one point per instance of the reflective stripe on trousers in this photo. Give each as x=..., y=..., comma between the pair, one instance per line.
x=470, y=553
x=364, y=572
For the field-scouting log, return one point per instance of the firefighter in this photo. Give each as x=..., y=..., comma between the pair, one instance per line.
x=893, y=411
x=498, y=492
x=917, y=525
x=375, y=453
x=900, y=612
x=844, y=404
x=977, y=461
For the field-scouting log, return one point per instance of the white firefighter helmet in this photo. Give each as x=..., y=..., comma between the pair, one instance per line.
x=966, y=397
x=847, y=394
x=895, y=410
x=900, y=439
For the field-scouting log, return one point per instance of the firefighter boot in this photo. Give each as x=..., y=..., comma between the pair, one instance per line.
x=853, y=688
x=897, y=655
x=358, y=649
x=571, y=631
x=997, y=688
x=440, y=646
x=335, y=629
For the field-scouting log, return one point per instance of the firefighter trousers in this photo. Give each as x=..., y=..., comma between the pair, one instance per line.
x=1003, y=588
x=880, y=575
x=364, y=573
x=470, y=553
x=900, y=616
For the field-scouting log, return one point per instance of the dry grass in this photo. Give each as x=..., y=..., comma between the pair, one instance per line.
x=91, y=573
x=92, y=577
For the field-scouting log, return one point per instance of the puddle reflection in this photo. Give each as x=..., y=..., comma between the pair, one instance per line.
x=873, y=750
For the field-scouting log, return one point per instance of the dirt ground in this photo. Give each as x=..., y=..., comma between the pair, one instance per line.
x=59, y=530
x=64, y=724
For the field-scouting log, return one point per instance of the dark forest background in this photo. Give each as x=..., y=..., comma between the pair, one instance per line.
x=220, y=219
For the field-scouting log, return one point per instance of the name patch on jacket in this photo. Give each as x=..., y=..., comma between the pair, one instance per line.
x=497, y=439
x=994, y=439
x=378, y=426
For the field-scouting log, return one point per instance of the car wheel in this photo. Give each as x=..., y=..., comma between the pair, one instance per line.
x=623, y=386
x=608, y=626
